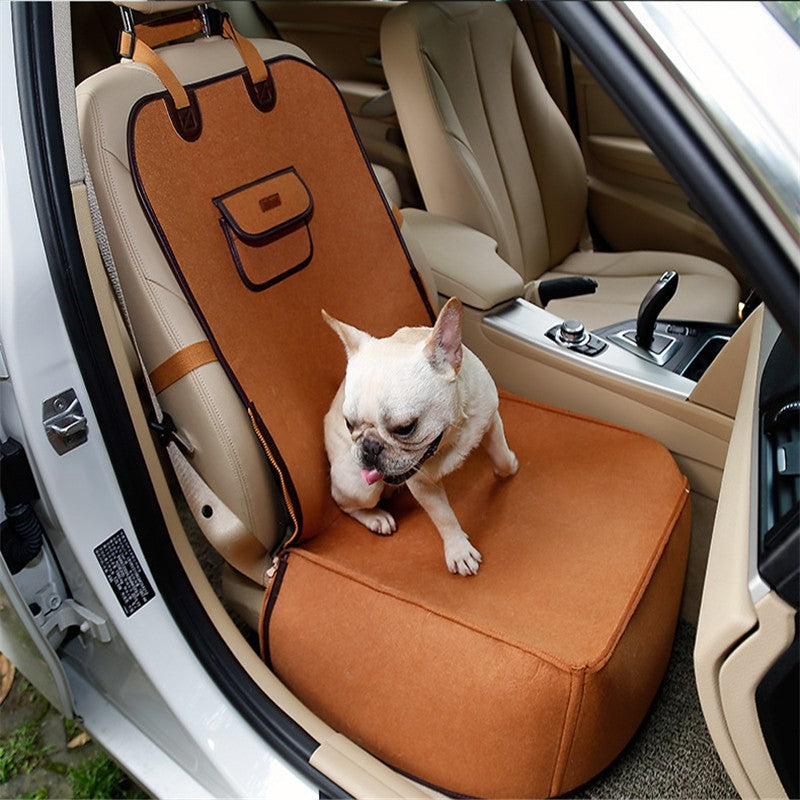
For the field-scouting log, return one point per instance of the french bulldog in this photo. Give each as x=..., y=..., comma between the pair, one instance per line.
x=410, y=409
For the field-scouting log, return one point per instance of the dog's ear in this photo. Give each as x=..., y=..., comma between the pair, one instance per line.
x=443, y=347
x=351, y=337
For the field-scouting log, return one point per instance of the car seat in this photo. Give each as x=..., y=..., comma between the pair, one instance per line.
x=491, y=149
x=237, y=202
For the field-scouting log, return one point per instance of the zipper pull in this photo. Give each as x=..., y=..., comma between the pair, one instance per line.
x=270, y=573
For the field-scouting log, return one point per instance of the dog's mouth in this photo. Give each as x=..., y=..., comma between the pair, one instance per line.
x=373, y=475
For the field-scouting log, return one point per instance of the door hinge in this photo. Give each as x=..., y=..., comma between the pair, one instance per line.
x=69, y=614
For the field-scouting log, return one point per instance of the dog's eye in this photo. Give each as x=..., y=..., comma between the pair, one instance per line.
x=405, y=430
x=349, y=424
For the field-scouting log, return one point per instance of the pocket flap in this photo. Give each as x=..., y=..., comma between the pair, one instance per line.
x=265, y=207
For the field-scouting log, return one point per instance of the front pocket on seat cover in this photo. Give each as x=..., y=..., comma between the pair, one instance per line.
x=266, y=226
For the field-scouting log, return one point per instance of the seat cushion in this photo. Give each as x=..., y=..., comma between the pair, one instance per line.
x=707, y=292
x=529, y=678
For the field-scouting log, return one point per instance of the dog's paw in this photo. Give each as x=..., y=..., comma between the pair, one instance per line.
x=508, y=469
x=377, y=520
x=461, y=557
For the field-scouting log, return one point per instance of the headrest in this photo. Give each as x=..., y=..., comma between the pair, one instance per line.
x=461, y=9
x=154, y=6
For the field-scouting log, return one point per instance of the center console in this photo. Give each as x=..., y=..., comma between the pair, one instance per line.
x=645, y=349
x=686, y=348
x=689, y=350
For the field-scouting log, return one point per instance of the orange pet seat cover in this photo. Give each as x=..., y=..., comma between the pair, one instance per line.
x=525, y=680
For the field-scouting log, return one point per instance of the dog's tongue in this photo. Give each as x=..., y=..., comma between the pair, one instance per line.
x=371, y=476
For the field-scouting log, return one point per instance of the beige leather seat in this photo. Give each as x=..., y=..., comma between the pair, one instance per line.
x=491, y=149
x=203, y=403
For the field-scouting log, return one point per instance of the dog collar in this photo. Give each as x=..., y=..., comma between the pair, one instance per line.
x=397, y=480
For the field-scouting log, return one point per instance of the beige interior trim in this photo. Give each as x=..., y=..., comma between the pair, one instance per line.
x=739, y=678
x=641, y=218
x=357, y=94
x=719, y=387
x=727, y=613
x=375, y=137
x=344, y=763
x=242, y=596
x=630, y=154
x=703, y=512
x=349, y=779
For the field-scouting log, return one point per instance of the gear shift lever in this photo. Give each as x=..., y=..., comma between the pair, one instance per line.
x=661, y=292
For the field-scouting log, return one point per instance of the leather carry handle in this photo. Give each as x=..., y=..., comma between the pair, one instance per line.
x=139, y=44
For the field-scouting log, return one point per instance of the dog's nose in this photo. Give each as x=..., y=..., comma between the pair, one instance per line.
x=371, y=448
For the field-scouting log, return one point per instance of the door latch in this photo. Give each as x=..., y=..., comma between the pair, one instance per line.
x=64, y=421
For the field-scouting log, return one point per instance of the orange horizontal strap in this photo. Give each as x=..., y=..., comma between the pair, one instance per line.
x=180, y=364
x=144, y=54
x=247, y=50
x=168, y=30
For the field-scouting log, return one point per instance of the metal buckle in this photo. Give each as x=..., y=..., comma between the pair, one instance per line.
x=129, y=53
x=213, y=20
x=167, y=432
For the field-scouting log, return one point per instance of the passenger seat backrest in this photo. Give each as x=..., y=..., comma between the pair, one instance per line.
x=489, y=145
x=203, y=403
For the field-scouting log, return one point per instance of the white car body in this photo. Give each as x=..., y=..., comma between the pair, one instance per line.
x=135, y=681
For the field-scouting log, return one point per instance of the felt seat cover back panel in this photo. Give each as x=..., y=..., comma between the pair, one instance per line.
x=281, y=357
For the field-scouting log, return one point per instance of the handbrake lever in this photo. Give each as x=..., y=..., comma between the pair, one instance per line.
x=559, y=288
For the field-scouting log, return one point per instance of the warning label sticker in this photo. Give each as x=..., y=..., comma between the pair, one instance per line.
x=124, y=572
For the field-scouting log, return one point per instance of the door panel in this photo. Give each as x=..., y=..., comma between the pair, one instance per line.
x=745, y=626
x=633, y=200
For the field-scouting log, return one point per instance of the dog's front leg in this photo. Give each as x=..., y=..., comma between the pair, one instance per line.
x=360, y=501
x=460, y=555
x=504, y=461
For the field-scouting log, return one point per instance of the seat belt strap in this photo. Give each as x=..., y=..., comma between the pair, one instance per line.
x=223, y=529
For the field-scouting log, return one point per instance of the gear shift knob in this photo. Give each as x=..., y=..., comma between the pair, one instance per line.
x=661, y=292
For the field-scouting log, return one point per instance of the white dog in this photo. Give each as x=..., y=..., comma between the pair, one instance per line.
x=410, y=409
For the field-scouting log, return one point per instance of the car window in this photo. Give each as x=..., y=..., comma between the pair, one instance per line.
x=743, y=67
